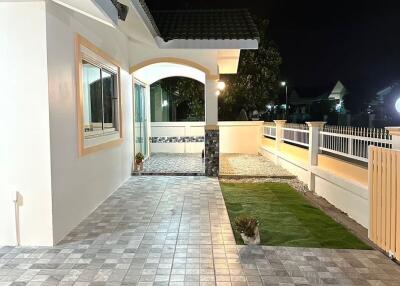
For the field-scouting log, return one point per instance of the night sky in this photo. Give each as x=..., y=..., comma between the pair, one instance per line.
x=321, y=42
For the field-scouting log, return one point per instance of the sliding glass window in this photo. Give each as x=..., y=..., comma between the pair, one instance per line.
x=100, y=100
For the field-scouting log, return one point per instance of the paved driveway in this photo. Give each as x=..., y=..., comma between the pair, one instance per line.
x=176, y=231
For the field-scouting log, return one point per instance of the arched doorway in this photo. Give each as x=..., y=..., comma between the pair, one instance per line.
x=174, y=138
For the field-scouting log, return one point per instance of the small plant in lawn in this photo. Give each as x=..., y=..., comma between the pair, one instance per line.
x=248, y=228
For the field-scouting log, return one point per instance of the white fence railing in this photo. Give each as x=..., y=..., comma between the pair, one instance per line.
x=353, y=142
x=350, y=142
x=270, y=131
x=296, y=134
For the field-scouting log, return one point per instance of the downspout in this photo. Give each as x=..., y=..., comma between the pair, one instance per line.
x=17, y=202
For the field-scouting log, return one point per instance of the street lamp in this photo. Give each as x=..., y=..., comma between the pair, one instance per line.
x=284, y=84
x=397, y=105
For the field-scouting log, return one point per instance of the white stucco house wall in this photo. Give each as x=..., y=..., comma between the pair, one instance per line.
x=52, y=176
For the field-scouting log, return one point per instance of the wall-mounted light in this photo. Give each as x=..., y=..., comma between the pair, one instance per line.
x=283, y=83
x=218, y=93
x=221, y=85
x=164, y=103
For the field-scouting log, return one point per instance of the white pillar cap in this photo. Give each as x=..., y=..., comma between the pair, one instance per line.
x=280, y=122
x=319, y=124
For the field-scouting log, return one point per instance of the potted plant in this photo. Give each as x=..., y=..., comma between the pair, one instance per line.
x=248, y=228
x=139, y=161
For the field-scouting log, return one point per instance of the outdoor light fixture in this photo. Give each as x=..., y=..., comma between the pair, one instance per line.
x=217, y=93
x=221, y=85
x=122, y=10
x=397, y=105
x=283, y=83
x=164, y=103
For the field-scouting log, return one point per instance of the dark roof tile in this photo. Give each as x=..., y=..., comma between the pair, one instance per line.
x=205, y=24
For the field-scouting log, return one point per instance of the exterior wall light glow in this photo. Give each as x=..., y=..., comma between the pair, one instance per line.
x=397, y=105
x=283, y=83
x=217, y=93
x=221, y=85
x=164, y=103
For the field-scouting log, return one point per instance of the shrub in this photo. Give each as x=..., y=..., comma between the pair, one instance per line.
x=139, y=157
x=246, y=225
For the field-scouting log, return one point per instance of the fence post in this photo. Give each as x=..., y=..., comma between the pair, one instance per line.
x=395, y=132
x=314, y=128
x=279, y=136
x=279, y=132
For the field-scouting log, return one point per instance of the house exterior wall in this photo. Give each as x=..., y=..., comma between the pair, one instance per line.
x=39, y=158
x=25, y=165
x=80, y=184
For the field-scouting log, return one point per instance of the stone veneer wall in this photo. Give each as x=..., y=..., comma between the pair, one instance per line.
x=212, y=152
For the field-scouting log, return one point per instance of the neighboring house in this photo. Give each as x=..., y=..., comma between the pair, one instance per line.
x=383, y=107
x=302, y=99
x=383, y=95
x=64, y=150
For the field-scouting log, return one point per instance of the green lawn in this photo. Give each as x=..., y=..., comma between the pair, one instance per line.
x=286, y=218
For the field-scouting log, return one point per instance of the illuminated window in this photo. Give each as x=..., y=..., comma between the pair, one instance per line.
x=98, y=98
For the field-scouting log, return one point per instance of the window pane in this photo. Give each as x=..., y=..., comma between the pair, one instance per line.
x=110, y=101
x=92, y=101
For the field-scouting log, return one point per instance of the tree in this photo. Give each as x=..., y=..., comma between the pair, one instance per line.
x=187, y=95
x=256, y=82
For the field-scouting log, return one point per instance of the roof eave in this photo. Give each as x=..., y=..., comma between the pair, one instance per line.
x=147, y=19
x=242, y=44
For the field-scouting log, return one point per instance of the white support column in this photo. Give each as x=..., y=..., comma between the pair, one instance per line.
x=279, y=132
x=211, y=132
x=313, y=149
x=211, y=102
x=395, y=132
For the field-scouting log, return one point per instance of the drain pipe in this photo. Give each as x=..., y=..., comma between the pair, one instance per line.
x=16, y=210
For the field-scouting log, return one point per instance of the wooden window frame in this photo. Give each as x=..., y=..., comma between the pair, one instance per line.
x=105, y=60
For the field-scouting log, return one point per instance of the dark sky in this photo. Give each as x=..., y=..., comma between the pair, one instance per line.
x=323, y=41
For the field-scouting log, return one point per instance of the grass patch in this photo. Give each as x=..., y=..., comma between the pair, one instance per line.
x=286, y=218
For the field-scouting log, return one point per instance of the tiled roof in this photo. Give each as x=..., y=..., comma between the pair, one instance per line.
x=149, y=15
x=232, y=24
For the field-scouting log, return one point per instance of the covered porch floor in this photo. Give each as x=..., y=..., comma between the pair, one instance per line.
x=160, y=230
x=173, y=164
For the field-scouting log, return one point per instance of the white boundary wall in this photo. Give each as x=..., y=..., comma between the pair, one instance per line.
x=242, y=137
x=165, y=130
x=347, y=195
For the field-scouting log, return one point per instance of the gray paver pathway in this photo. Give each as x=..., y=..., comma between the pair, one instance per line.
x=176, y=231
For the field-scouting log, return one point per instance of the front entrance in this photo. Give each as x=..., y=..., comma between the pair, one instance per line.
x=176, y=119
